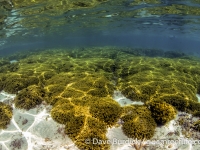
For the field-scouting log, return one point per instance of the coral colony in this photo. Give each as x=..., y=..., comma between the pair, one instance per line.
x=78, y=86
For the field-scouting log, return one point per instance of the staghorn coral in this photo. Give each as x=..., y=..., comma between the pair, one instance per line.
x=53, y=90
x=93, y=132
x=72, y=93
x=193, y=108
x=86, y=100
x=161, y=111
x=138, y=122
x=159, y=78
x=5, y=115
x=29, y=97
x=175, y=100
x=106, y=110
x=74, y=126
x=63, y=111
x=2, y=78
x=197, y=125
x=10, y=67
x=79, y=85
x=13, y=82
x=82, y=120
x=4, y=61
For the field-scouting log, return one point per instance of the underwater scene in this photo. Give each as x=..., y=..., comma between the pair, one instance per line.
x=99, y=75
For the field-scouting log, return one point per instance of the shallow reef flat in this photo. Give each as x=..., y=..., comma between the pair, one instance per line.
x=79, y=87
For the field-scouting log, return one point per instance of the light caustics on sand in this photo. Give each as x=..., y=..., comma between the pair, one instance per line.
x=33, y=130
x=36, y=130
x=168, y=134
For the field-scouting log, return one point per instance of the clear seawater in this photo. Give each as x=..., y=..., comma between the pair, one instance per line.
x=95, y=69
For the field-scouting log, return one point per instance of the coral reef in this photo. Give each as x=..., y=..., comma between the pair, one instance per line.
x=138, y=122
x=174, y=81
x=10, y=67
x=75, y=85
x=13, y=82
x=174, y=54
x=93, y=132
x=197, y=125
x=175, y=100
x=29, y=97
x=161, y=111
x=74, y=126
x=5, y=115
x=106, y=110
x=193, y=108
x=4, y=61
x=86, y=118
x=79, y=85
x=63, y=111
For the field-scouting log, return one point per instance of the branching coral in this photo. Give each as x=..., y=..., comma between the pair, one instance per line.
x=14, y=82
x=91, y=135
x=138, y=122
x=62, y=112
x=161, y=111
x=5, y=115
x=79, y=85
x=175, y=100
x=197, y=125
x=29, y=97
x=106, y=110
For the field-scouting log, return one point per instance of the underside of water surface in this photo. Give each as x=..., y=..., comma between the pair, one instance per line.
x=160, y=24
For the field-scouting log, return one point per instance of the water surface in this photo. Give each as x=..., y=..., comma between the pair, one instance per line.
x=162, y=24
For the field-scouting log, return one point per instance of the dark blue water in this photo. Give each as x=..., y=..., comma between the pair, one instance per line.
x=112, y=23
x=138, y=40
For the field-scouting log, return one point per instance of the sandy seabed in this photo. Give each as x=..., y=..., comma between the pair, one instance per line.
x=36, y=130
x=33, y=130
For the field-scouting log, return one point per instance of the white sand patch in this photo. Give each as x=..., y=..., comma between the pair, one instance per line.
x=13, y=61
x=172, y=136
x=36, y=130
x=166, y=137
x=118, y=139
x=198, y=96
x=33, y=130
x=123, y=101
x=6, y=98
